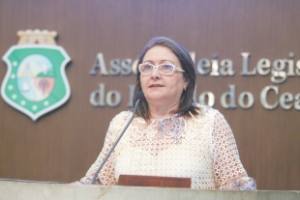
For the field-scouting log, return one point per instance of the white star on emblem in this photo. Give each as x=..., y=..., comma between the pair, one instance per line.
x=23, y=103
x=14, y=96
x=34, y=107
x=15, y=63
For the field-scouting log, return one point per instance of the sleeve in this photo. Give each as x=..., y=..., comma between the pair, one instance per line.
x=229, y=172
x=107, y=175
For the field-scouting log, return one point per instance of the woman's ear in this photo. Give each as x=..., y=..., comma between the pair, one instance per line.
x=186, y=83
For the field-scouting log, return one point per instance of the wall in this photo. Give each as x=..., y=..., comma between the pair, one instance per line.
x=61, y=145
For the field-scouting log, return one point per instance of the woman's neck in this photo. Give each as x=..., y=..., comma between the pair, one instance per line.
x=160, y=110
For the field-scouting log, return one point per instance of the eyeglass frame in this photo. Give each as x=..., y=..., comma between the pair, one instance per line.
x=156, y=68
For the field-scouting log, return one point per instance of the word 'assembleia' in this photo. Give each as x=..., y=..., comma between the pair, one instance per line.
x=278, y=69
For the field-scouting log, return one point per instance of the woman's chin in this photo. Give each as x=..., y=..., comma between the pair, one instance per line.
x=155, y=98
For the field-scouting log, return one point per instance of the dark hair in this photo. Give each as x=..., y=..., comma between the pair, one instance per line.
x=186, y=106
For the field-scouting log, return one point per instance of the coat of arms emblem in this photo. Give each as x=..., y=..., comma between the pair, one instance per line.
x=35, y=82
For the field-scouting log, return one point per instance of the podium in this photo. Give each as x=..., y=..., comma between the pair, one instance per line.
x=23, y=190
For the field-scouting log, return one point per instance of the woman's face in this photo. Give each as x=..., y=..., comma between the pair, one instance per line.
x=160, y=88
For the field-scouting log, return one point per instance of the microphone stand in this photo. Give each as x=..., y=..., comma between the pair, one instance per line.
x=116, y=143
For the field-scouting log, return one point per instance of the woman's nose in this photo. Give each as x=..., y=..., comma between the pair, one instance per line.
x=155, y=73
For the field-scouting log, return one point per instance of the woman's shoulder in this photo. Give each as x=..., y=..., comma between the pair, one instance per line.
x=122, y=116
x=209, y=114
x=206, y=111
x=118, y=121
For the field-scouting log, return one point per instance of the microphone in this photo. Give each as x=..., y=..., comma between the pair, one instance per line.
x=117, y=141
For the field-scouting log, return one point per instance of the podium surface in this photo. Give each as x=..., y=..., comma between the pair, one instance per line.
x=23, y=190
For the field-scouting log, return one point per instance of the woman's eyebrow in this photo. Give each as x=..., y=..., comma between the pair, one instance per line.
x=148, y=61
x=159, y=61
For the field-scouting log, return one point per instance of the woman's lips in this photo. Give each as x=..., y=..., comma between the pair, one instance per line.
x=155, y=85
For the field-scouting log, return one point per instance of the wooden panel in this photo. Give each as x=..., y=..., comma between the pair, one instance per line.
x=62, y=145
x=154, y=181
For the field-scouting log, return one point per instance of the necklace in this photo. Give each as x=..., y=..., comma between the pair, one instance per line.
x=168, y=128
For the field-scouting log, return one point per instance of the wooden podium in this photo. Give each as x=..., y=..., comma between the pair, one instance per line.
x=154, y=181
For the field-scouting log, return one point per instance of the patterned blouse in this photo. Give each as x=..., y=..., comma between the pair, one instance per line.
x=201, y=147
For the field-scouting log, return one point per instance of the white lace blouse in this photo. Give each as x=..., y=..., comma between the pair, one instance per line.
x=201, y=147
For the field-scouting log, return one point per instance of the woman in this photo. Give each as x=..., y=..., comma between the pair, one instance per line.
x=170, y=135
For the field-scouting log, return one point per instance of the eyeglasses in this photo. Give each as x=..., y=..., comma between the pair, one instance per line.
x=164, y=68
